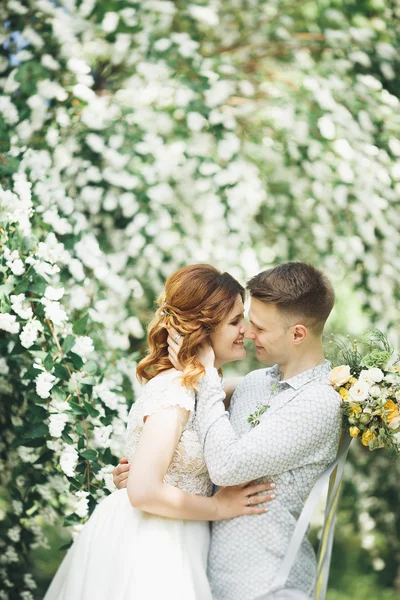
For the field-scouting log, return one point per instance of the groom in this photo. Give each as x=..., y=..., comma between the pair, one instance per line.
x=293, y=435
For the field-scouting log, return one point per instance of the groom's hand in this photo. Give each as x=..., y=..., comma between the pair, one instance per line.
x=120, y=474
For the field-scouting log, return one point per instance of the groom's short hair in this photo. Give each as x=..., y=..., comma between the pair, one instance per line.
x=299, y=290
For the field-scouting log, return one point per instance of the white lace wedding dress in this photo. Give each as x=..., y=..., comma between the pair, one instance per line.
x=125, y=554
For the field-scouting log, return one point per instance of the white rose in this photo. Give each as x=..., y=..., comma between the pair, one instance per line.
x=373, y=375
x=375, y=391
x=359, y=391
x=340, y=375
x=44, y=383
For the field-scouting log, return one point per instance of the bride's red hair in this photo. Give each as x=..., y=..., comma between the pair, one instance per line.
x=197, y=299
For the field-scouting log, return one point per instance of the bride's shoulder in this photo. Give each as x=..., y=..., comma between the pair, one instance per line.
x=167, y=389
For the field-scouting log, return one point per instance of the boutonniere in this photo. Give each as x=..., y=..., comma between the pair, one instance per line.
x=254, y=418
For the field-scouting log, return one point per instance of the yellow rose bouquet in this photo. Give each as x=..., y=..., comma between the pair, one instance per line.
x=368, y=381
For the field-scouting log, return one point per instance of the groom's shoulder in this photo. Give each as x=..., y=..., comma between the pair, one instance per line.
x=324, y=392
x=257, y=376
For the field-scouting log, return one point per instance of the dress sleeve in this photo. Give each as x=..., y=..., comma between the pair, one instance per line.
x=165, y=393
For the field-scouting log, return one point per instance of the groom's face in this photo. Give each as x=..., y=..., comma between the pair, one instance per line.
x=269, y=331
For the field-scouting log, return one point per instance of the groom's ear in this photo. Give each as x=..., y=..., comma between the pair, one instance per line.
x=300, y=333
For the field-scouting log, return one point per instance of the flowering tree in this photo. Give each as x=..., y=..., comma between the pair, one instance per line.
x=138, y=136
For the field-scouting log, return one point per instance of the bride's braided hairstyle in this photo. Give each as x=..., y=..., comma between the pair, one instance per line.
x=196, y=300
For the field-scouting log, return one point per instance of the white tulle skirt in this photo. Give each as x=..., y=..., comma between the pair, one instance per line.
x=125, y=554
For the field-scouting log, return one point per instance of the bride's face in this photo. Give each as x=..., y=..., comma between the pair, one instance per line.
x=227, y=339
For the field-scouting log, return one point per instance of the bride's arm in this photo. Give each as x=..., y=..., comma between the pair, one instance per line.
x=230, y=386
x=148, y=492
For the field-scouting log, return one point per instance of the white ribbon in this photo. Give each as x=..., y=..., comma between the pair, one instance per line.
x=325, y=550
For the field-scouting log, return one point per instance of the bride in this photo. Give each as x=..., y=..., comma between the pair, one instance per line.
x=150, y=540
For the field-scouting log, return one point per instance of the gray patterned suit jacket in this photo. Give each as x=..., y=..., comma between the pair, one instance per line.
x=297, y=438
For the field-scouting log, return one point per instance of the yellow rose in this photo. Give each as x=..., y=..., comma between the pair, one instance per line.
x=354, y=431
x=392, y=411
x=339, y=375
x=344, y=393
x=352, y=380
x=367, y=436
x=355, y=409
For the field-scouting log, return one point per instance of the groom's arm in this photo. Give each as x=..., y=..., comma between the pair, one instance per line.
x=297, y=434
x=230, y=386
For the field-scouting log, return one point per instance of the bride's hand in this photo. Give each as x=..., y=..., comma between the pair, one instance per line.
x=175, y=340
x=238, y=500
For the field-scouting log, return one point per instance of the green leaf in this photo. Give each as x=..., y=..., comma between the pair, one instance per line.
x=58, y=394
x=90, y=367
x=88, y=381
x=36, y=431
x=38, y=287
x=67, y=438
x=92, y=411
x=76, y=408
x=61, y=372
x=89, y=454
x=76, y=361
x=65, y=546
x=38, y=411
x=80, y=325
x=79, y=429
x=47, y=455
x=34, y=443
x=68, y=343
x=22, y=286
x=48, y=363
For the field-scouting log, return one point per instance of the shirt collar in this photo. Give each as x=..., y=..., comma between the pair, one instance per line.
x=318, y=372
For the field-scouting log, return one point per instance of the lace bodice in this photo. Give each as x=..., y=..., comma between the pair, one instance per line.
x=187, y=470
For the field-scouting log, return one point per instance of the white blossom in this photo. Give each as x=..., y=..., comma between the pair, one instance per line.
x=83, y=346
x=29, y=581
x=204, y=14
x=327, y=127
x=57, y=423
x=102, y=436
x=14, y=533
x=52, y=293
x=82, y=505
x=14, y=262
x=69, y=460
x=21, y=306
x=44, y=383
x=54, y=311
x=30, y=332
x=8, y=323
